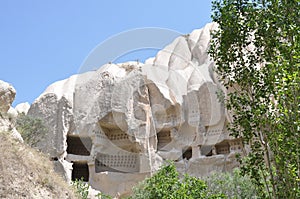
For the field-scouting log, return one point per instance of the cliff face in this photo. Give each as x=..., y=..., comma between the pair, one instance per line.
x=8, y=113
x=118, y=124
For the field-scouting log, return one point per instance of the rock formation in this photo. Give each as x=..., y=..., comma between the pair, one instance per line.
x=22, y=108
x=7, y=96
x=7, y=113
x=116, y=125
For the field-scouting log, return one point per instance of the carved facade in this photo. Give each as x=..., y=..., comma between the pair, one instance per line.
x=114, y=130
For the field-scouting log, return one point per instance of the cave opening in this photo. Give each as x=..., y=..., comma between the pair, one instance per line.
x=79, y=145
x=187, y=153
x=163, y=139
x=207, y=150
x=80, y=171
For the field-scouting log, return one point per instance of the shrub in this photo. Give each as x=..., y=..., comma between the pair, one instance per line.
x=31, y=129
x=233, y=185
x=167, y=184
x=81, y=187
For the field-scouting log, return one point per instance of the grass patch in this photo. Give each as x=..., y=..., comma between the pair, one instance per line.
x=28, y=173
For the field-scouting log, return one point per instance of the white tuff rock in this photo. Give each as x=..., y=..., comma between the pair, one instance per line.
x=22, y=108
x=8, y=113
x=7, y=96
x=118, y=124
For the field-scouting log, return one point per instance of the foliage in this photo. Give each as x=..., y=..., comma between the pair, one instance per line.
x=81, y=187
x=167, y=184
x=31, y=129
x=233, y=185
x=30, y=170
x=257, y=53
x=103, y=196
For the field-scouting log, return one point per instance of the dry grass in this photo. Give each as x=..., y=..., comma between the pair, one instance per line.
x=27, y=173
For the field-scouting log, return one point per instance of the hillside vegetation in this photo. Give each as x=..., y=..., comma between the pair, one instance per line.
x=27, y=173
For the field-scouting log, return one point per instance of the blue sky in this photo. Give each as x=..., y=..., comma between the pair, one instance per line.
x=45, y=41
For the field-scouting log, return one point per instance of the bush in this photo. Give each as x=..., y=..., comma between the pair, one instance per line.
x=82, y=188
x=103, y=196
x=31, y=129
x=233, y=185
x=167, y=184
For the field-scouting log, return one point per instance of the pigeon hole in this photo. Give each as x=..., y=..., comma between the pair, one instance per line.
x=124, y=163
x=223, y=148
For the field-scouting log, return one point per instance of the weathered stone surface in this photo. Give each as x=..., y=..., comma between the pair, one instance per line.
x=7, y=96
x=7, y=113
x=121, y=122
x=12, y=113
x=16, y=135
x=64, y=168
x=57, y=116
x=22, y=108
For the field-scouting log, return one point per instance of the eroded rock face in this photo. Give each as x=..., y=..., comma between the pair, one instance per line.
x=58, y=119
x=118, y=124
x=7, y=113
x=55, y=108
x=22, y=108
x=7, y=96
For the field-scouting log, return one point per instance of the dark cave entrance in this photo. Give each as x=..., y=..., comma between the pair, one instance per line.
x=79, y=145
x=206, y=150
x=163, y=139
x=187, y=153
x=80, y=170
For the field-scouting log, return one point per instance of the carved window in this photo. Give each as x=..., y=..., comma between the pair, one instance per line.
x=206, y=150
x=80, y=170
x=79, y=145
x=163, y=139
x=187, y=153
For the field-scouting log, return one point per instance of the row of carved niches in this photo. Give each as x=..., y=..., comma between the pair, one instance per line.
x=127, y=163
x=116, y=134
x=223, y=148
x=236, y=145
x=78, y=145
x=116, y=137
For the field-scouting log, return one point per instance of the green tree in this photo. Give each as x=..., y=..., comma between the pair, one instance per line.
x=31, y=129
x=232, y=184
x=167, y=184
x=257, y=53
